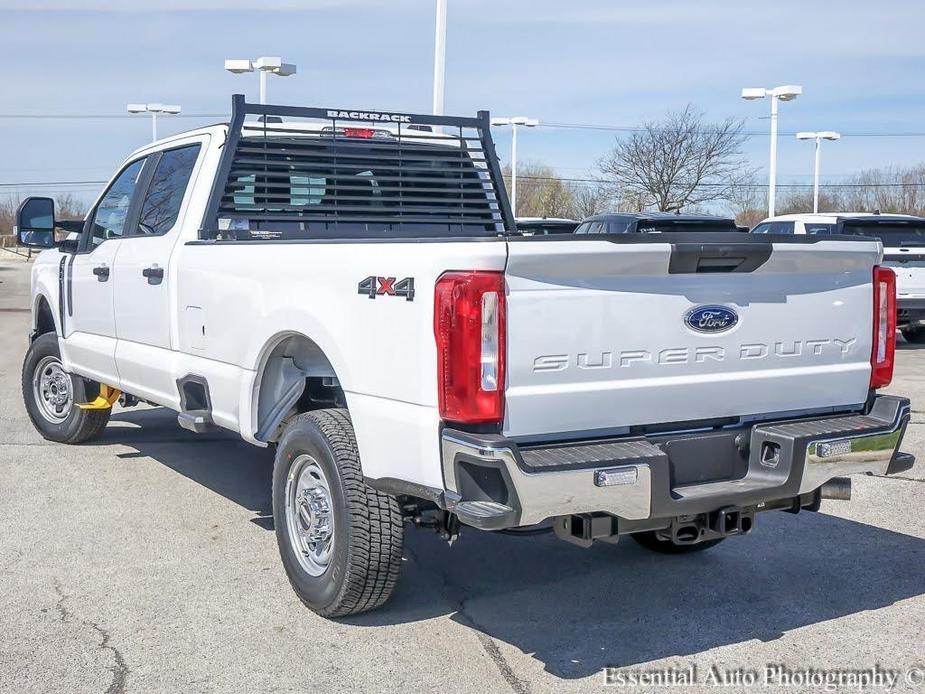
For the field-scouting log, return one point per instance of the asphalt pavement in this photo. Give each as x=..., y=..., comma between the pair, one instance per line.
x=145, y=562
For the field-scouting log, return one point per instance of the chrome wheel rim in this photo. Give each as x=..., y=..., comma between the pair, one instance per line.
x=53, y=390
x=309, y=515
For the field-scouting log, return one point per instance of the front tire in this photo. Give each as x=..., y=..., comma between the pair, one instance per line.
x=339, y=539
x=650, y=540
x=914, y=334
x=51, y=395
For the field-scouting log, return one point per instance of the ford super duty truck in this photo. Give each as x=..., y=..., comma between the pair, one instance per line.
x=348, y=287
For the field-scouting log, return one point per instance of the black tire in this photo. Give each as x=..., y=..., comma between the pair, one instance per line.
x=75, y=425
x=650, y=540
x=914, y=334
x=364, y=558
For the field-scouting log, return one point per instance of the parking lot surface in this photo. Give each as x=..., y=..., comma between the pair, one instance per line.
x=145, y=562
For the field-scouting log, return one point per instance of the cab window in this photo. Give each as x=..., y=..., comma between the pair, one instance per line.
x=110, y=216
x=774, y=228
x=165, y=193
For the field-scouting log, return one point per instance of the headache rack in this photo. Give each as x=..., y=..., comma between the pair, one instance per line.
x=317, y=173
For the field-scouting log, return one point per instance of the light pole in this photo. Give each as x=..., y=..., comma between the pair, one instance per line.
x=265, y=66
x=787, y=92
x=818, y=137
x=514, y=122
x=439, y=57
x=153, y=109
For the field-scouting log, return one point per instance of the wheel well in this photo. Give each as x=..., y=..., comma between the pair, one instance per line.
x=295, y=376
x=44, y=318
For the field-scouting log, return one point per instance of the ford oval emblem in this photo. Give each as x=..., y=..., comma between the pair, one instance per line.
x=711, y=319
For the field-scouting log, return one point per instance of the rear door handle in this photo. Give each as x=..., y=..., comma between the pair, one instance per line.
x=101, y=272
x=154, y=274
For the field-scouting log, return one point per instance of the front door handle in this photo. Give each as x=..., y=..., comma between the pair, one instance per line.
x=101, y=272
x=154, y=274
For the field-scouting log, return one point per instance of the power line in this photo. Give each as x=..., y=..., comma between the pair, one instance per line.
x=97, y=116
x=748, y=133
x=41, y=184
x=899, y=184
x=548, y=124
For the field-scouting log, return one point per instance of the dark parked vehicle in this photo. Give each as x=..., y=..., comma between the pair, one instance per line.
x=541, y=226
x=653, y=222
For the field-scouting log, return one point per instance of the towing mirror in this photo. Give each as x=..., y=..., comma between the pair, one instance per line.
x=35, y=223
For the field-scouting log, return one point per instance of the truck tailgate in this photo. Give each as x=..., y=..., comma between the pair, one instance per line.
x=598, y=336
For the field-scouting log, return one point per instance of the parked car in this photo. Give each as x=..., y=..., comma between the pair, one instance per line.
x=543, y=226
x=653, y=222
x=362, y=303
x=903, y=239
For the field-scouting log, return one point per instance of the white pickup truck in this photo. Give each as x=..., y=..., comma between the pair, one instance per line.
x=903, y=239
x=344, y=286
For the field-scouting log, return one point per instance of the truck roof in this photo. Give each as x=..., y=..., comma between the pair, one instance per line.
x=834, y=217
x=666, y=216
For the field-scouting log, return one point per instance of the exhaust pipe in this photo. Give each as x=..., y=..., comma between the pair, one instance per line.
x=837, y=488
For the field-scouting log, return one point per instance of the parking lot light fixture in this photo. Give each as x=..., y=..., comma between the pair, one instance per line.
x=265, y=65
x=786, y=92
x=439, y=57
x=817, y=137
x=514, y=122
x=153, y=109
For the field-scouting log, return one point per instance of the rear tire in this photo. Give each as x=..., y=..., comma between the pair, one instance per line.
x=914, y=334
x=51, y=395
x=340, y=540
x=651, y=541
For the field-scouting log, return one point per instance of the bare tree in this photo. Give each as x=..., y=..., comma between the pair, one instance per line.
x=540, y=193
x=69, y=206
x=8, y=207
x=589, y=198
x=749, y=202
x=678, y=162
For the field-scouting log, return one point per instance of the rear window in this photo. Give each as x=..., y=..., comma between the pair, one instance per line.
x=332, y=186
x=544, y=228
x=891, y=233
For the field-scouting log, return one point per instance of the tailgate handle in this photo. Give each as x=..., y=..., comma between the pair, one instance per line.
x=689, y=258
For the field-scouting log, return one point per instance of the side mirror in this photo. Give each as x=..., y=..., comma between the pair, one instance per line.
x=35, y=223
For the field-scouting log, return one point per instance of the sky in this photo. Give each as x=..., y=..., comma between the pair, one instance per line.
x=612, y=62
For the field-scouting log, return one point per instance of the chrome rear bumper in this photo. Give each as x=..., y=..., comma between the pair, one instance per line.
x=493, y=483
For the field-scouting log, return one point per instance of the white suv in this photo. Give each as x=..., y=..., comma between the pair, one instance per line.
x=903, y=238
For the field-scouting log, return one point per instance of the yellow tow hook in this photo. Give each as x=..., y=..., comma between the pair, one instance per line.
x=104, y=400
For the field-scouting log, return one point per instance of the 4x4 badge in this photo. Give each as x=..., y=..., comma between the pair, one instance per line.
x=374, y=286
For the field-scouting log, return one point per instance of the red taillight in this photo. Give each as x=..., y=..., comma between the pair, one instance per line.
x=884, y=347
x=469, y=328
x=365, y=133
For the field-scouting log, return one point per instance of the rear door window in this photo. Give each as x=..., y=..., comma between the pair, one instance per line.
x=818, y=228
x=774, y=228
x=166, y=191
x=620, y=227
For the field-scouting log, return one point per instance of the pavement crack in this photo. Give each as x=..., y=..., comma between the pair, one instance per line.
x=119, y=669
x=13, y=561
x=460, y=602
